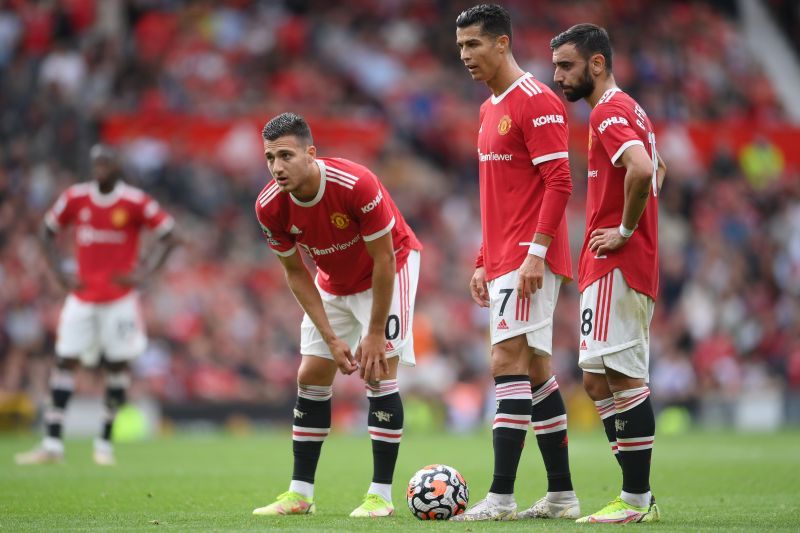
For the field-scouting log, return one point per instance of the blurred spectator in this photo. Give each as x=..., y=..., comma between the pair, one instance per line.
x=222, y=324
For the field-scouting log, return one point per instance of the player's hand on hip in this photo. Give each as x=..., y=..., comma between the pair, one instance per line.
x=478, y=288
x=133, y=279
x=371, y=357
x=342, y=356
x=68, y=282
x=531, y=276
x=604, y=240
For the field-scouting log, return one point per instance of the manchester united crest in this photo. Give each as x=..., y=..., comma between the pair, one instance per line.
x=119, y=217
x=505, y=125
x=340, y=220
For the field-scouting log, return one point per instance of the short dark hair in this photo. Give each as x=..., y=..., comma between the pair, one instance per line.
x=287, y=124
x=589, y=39
x=493, y=19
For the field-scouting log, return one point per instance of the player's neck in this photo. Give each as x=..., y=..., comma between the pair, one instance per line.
x=309, y=191
x=600, y=89
x=107, y=187
x=507, y=74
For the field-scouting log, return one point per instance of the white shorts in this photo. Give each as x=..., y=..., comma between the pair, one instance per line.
x=349, y=317
x=114, y=329
x=532, y=316
x=615, y=327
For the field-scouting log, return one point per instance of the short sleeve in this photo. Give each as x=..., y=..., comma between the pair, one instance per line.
x=374, y=215
x=155, y=217
x=613, y=128
x=62, y=213
x=279, y=240
x=544, y=127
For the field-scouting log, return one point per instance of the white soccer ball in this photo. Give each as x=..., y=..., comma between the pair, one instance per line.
x=437, y=492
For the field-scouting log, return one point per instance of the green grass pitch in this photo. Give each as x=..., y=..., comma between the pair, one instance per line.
x=703, y=481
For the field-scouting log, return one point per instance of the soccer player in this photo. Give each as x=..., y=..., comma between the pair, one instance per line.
x=618, y=271
x=101, y=314
x=358, y=314
x=524, y=188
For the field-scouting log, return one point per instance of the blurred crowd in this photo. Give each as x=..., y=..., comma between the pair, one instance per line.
x=223, y=325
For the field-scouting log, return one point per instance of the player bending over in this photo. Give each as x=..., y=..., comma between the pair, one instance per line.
x=367, y=260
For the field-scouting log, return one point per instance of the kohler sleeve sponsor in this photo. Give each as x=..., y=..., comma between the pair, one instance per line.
x=373, y=204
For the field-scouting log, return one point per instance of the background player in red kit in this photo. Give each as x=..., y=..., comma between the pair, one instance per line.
x=101, y=314
x=524, y=187
x=618, y=272
x=367, y=262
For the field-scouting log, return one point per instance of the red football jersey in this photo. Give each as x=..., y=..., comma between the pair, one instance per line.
x=616, y=123
x=352, y=206
x=524, y=177
x=107, y=228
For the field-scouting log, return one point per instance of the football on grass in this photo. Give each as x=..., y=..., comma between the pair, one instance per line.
x=437, y=492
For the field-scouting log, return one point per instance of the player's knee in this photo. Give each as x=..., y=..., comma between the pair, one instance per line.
x=596, y=386
x=617, y=381
x=511, y=357
x=540, y=369
x=315, y=371
x=121, y=366
x=68, y=363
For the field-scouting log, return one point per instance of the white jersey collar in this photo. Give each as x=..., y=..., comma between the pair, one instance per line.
x=320, y=192
x=499, y=98
x=107, y=199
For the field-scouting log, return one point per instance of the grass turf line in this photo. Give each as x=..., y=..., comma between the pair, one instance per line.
x=703, y=482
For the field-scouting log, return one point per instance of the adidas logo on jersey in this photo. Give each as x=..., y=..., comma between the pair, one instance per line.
x=502, y=324
x=583, y=345
x=389, y=346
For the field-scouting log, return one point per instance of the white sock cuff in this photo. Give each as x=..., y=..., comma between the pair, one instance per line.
x=384, y=490
x=503, y=420
x=382, y=388
x=626, y=400
x=62, y=379
x=118, y=380
x=545, y=390
x=605, y=408
x=53, y=444
x=513, y=390
x=302, y=487
x=318, y=393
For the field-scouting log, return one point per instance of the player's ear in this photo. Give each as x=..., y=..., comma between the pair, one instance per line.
x=598, y=64
x=502, y=43
x=311, y=151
